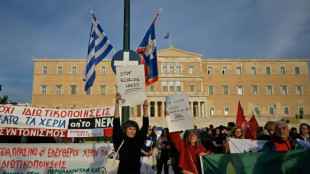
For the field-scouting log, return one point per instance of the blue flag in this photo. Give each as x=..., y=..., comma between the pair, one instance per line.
x=148, y=54
x=98, y=48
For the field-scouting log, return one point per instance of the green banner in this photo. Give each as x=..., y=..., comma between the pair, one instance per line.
x=289, y=162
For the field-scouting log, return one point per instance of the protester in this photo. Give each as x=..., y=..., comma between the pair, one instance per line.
x=230, y=125
x=293, y=133
x=175, y=158
x=236, y=133
x=190, y=149
x=304, y=132
x=163, y=151
x=133, y=139
x=281, y=140
x=218, y=140
x=268, y=131
x=155, y=150
x=146, y=154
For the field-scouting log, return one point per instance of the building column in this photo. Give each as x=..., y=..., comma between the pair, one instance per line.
x=149, y=110
x=163, y=108
x=199, y=113
x=141, y=110
x=204, y=114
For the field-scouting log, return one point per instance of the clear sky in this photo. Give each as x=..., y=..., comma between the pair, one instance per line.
x=216, y=28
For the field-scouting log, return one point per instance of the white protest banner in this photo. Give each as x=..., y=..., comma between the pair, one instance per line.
x=30, y=121
x=53, y=158
x=180, y=117
x=131, y=84
x=247, y=145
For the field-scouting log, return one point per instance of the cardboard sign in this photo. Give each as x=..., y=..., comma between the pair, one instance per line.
x=131, y=84
x=180, y=117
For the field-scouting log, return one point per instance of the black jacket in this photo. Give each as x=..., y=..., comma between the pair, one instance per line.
x=130, y=151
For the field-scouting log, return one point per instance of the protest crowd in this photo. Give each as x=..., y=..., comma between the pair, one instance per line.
x=143, y=150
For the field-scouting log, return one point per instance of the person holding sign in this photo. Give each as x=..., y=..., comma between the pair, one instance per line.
x=133, y=139
x=190, y=149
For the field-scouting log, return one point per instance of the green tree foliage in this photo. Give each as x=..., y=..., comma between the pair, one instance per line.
x=4, y=99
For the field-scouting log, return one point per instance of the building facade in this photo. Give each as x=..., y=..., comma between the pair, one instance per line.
x=270, y=89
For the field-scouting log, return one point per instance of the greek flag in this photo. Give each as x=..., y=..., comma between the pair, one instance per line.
x=98, y=48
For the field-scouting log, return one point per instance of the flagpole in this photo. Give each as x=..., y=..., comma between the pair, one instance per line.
x=159, y=11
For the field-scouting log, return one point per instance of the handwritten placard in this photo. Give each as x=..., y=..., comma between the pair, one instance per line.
x=53, y=158
x=131, y=84
x=30, y=121
x=180, y=117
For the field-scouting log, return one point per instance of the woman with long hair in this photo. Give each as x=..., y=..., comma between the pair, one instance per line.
x=236, y=133
x=132, y=138
x=163, y=151
x=218, y=140
x=190, y=149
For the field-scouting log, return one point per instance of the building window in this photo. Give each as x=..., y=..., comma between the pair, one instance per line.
x=224, y=70
x=298, y=90
x=132, y=111
x=284, y=90
x=164, y=86
x=256, y=111
x=179, y=86
x=115, y=89
x=152, y=88
x=282, y=69
x=253, y=70
x=171, y=68
x=171, y=86
x=103, y=70
x=297, y=70
x=225, y=89
x=286, y=110
x=239, y=71
x=255, y=89
x=74, y=70
x=43, y=90
x=240, y=90
x=73, y=89
x=178, y=68
x=44, y=69
x=102, y=89
x=59, y=70
x=191, y=70
x=88, y=91
x=269, y=90
x=58, y=89
x=271, y=110
x=191, y=88
x=209, y=71
x=211, y=110
x=152, y=110
x=301, y=110
x=164, y=68
x=226, y=110
x=211, y=88
x=267, y=69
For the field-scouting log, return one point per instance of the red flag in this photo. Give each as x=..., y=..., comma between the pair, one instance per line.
x=240, y=116
x=254, y=127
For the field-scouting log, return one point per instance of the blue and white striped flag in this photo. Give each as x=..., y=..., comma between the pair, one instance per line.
x=98, y=48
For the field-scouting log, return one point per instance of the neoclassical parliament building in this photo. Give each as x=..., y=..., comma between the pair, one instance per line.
x=270, y=89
